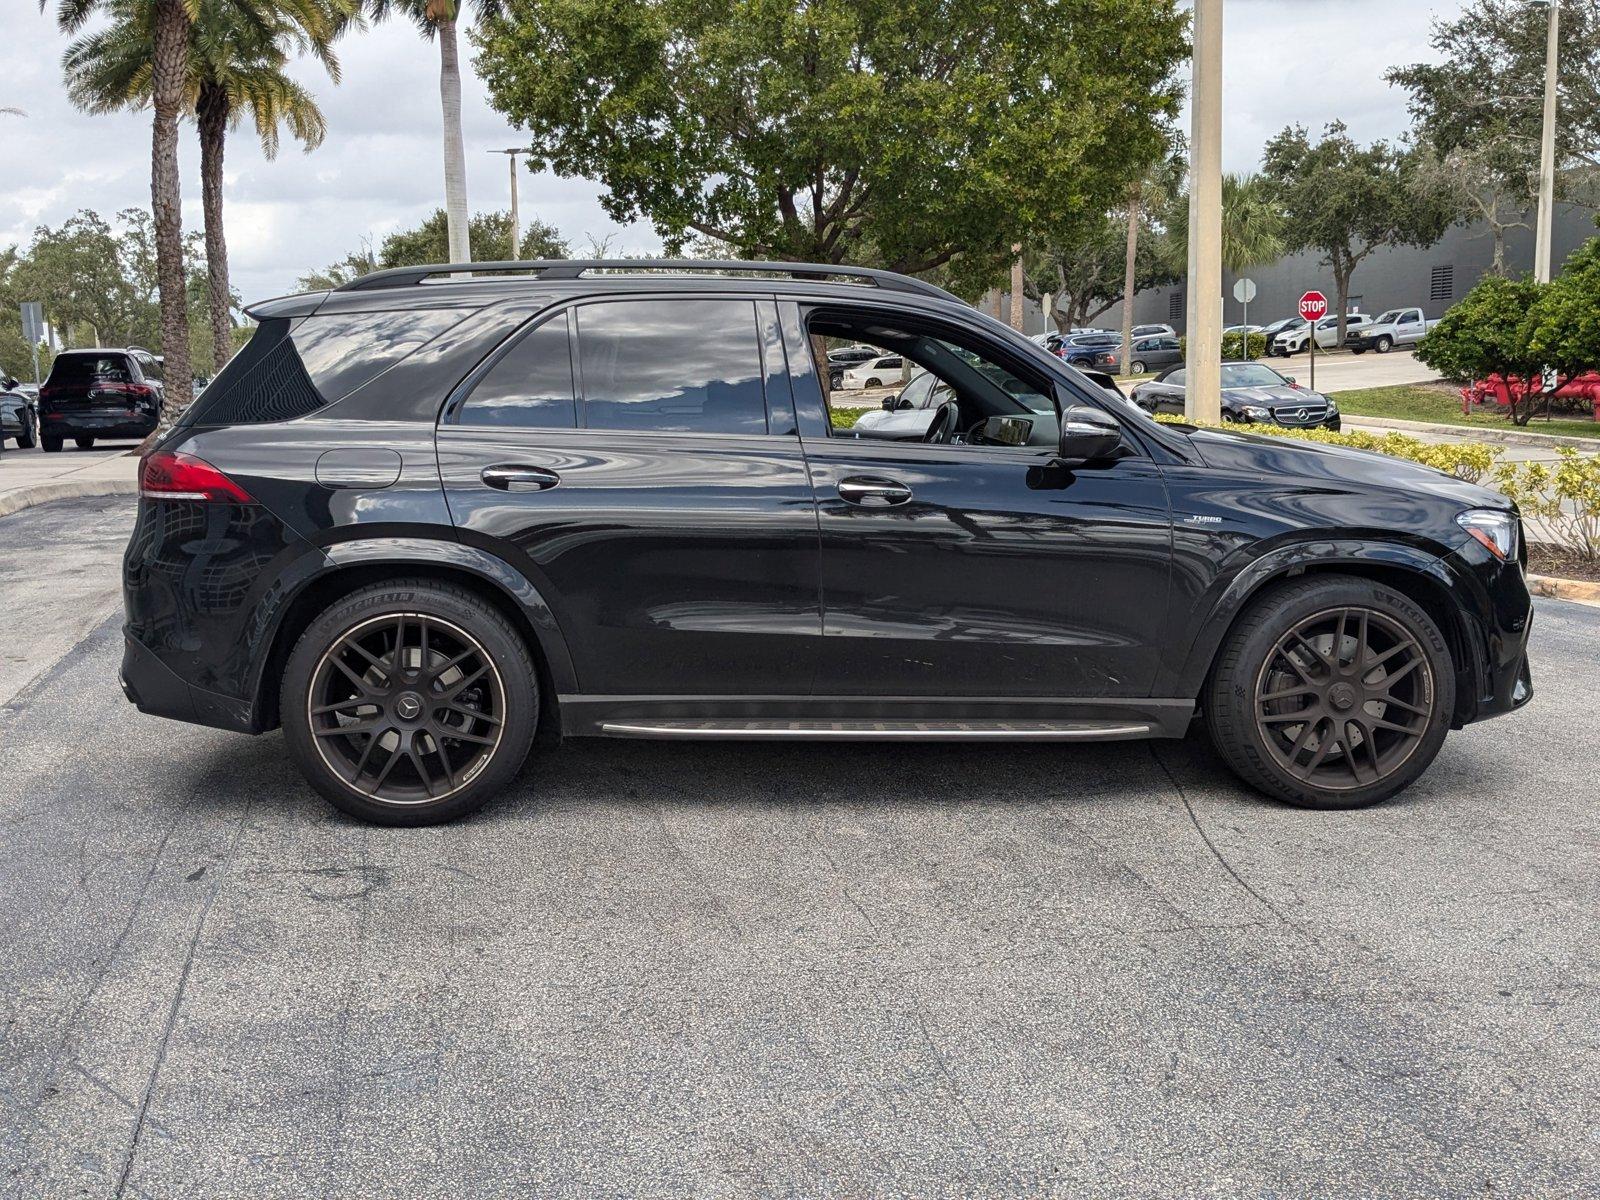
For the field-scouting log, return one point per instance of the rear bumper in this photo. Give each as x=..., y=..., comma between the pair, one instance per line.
x=156, y=689
x=119, y=425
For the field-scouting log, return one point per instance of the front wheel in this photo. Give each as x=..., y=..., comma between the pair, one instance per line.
x=409, y=703
x=1334, y=692
x=1384, y=344
x=28, y=436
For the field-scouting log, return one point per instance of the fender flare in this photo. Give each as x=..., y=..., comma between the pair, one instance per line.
x=1235, y=587
x=426, y=552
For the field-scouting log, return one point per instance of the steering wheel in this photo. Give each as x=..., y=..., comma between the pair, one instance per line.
x=944, y=423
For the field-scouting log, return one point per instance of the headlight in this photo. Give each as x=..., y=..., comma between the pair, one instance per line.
x=1256, y=413
x=1494, y=529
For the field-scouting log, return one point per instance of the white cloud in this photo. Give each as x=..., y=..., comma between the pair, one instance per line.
x=1286, y=61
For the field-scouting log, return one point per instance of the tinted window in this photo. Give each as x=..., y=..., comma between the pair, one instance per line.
x=148, y=366
x=1177, y=378
x=342, y=351
x=917, y=392
x=531, y=387
x=674, y=365
x=81, y=368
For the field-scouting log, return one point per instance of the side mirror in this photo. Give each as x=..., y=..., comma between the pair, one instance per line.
x=1291, y=380
x=889, y=402
x=1087, y=434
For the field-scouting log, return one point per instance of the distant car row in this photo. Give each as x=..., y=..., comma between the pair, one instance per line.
x=1397, y=327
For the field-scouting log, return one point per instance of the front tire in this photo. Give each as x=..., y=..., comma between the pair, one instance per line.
x=409, y=703
x=28, y=436
x=1384, y=344
x=1333, y=692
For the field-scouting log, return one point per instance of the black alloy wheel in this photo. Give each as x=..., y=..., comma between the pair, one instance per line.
x=29, y=437
x=1332, y=693
x=413, y=710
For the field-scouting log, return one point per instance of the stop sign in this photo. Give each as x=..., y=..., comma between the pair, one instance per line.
x=1313, y=306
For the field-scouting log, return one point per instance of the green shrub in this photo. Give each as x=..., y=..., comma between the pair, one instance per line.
x=1564, y=497
x=1233, y=346
x=1489, y=332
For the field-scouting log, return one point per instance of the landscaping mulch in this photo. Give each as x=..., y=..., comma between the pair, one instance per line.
x=1560, y=564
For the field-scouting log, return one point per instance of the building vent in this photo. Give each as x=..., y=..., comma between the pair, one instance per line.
x=1442, y=287
x=1175, y=307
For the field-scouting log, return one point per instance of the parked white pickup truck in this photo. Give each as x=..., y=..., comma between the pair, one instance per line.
x=1294, y=339
x=1397, y=327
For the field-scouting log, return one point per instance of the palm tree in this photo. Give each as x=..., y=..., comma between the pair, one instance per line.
x=1252, y=223
x=233, y=66
x=170, y=23
x=438, y=20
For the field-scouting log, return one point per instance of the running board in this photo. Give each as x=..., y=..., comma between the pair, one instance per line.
x=878, y=731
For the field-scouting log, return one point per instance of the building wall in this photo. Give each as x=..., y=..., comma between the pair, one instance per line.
x=1432, y=277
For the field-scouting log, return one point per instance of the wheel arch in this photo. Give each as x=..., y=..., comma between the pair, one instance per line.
x=1409, y=570
x=357, y=564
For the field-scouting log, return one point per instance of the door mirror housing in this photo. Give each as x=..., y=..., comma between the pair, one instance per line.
x=1088, y=435
x=890, y=402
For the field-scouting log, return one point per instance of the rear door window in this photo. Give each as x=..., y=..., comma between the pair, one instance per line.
x=531, y=386
x=678, y=366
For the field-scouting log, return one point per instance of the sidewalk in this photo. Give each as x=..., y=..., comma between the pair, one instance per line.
x=29, y=477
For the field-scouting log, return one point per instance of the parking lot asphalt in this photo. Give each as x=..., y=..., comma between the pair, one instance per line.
x=735, y=970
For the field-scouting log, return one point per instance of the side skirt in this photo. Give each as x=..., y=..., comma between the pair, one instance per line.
x=873, y=718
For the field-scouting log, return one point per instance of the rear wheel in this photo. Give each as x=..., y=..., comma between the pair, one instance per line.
x=29, y=434
x=1332, y=693
x=874, y=382
x=1138, y=368
x=409, y=703
x=51, y=444
x=83, y=443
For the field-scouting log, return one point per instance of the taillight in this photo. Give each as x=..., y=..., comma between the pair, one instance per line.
x=169, y=475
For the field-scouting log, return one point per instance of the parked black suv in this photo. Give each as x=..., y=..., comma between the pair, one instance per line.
x=419, y=518
x=105, y=394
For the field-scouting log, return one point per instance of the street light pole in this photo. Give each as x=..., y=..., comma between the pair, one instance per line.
x=1203, y=368
x=1545, y=229
x=516, y=223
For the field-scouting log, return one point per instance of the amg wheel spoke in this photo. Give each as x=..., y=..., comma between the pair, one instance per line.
x=1300, y=742
x=351, y=730
x=473, y=713
x=342, y=705
x=478, y=739
x=371, y=658
x=466, y=681
x=1394, y=677
x=1288, y=693
x=395, y=756
x=1415, y=709
x=1305, y=714
x=1328, y=743
x=358, y=680
x=1338, y=639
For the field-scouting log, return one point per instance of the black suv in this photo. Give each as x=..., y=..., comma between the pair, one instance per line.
x=99, y=393
x=423, y=517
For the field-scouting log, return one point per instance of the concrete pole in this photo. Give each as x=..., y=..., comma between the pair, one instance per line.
x=1017, y=311
x=1203, y=395
x=1543, y=248
x=516, y=217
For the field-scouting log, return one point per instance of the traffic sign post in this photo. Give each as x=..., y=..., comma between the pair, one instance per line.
x=1313, y=307
x=33, y=331
x=1245, y=291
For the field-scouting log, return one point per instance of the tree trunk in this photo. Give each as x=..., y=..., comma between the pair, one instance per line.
x=1341, y=287
x=455, y=154
x=169, y=68
x=1018, y=313
x=212, y=118
x=1129, y=273
x=1498, y=266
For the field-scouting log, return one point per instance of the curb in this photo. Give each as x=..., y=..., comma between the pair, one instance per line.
x=44, y=493
x=1513, y=437
x=1577, y=590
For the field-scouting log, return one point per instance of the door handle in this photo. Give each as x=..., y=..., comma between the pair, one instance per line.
x=872, y=492
x=509, y=477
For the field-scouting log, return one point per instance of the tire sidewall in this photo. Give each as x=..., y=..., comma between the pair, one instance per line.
x=503, y=645
x=1231, y=702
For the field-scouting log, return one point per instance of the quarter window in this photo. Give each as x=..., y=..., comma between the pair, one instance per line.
x=531, y=386
x=342, y=351
x=672, y=365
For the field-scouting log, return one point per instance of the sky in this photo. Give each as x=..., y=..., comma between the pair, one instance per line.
x=1285, y=62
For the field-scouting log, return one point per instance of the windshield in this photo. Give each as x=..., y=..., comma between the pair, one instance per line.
x=1393, y=317
x=1243, y=375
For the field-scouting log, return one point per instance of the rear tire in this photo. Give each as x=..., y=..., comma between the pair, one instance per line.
x=409, y=737
x=1138, y=368
x=52, y=445
x=28, y=436
x=83, y=443
x=874, y=382
x=1368, y=669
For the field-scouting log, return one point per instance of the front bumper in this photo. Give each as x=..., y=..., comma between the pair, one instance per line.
x=1497, y=608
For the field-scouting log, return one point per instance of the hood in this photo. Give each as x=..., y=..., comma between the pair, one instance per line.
x=1273, y=397
x=1313, y=461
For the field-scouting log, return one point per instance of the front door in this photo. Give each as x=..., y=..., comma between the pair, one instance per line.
x=954, y=569
x=623, y=455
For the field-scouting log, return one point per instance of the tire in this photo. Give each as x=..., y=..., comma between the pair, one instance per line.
x=1138, y=368
x=83, y=443
x=1358, y=351
x=1359, y=768
x=52, y=445
x=1384, y=344
x=28, y=436
x=417, y=785
x=874, y=382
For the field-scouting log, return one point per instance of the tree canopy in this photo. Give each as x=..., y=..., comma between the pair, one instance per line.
x=429, y=242
x=905, y=134
x=1348, y=201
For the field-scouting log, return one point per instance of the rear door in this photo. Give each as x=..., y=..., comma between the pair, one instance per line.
x=637, y=458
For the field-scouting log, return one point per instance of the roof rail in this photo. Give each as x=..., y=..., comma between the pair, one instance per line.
x=575, y=268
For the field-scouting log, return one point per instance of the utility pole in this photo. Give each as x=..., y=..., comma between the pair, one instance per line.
x=1203, y=368
x=1545, y=228
x=516, y=221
